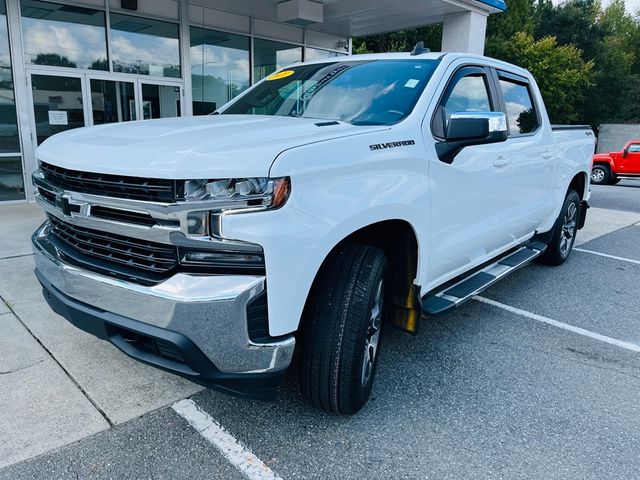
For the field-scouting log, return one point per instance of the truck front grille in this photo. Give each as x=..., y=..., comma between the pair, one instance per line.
x=114, y=255
x=134, y=188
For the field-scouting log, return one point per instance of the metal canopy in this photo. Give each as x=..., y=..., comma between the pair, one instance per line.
x=352, y=18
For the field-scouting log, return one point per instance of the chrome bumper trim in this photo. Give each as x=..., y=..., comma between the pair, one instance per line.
x=208, y=309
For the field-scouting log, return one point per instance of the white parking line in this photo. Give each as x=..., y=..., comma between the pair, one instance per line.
x=564, y=326
x=606, y=255
x=237, y=454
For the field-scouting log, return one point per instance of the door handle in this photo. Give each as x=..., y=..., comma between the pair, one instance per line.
x=548, y=155
x=501, y=162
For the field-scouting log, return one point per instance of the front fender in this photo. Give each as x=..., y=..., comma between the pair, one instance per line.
x=604, y=159
x=295, y=246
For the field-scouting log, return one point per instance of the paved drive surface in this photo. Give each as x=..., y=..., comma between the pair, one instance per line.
x=479, y=393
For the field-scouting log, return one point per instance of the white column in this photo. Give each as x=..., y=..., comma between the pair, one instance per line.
x=24, y=108
x=464, y=32
x=185, y=58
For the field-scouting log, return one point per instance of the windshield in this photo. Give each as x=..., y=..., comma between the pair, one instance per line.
x=378, y=92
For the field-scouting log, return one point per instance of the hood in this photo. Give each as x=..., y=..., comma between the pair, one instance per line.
x=213, y=146
x=602, y=156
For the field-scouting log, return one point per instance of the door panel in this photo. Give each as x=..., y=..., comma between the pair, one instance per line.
x=529, y=179
x=469, y=208
x=631, y=162
x=470, y=198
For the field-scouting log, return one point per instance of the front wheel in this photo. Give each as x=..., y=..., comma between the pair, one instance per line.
x=600, y=175
x=341, y=330
x=564, y=231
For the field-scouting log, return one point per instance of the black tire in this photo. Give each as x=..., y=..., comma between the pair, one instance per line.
x=564, y=231
x=337, y=325
x=600, y=174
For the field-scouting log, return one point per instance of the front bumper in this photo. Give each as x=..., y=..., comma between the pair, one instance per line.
x=192, y=325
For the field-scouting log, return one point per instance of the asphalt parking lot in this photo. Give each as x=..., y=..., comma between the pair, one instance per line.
x=538, y=378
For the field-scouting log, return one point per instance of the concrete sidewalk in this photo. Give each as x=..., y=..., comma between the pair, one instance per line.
x=57, y=383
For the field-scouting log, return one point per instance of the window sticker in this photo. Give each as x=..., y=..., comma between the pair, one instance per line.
x=279, y=75
x=411, y=83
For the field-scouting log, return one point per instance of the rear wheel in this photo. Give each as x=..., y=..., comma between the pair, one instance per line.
x=600, y=174
x=342, y=327
x=564, y=231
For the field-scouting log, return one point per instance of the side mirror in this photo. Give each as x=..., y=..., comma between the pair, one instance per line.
x=625, y=152
x=471, y=128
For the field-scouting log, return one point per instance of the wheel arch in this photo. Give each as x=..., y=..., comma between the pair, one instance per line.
x=580, y=183
x=397, y=238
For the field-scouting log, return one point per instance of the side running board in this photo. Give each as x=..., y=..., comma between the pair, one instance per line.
x=442, y=301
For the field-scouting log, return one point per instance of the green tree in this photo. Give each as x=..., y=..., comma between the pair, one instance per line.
x=53, y=59
x=560, y=71
x=402, y=41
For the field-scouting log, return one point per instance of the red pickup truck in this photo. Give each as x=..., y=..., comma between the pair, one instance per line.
x=609, y=168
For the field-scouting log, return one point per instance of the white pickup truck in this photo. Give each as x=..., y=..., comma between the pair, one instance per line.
x=328, y=201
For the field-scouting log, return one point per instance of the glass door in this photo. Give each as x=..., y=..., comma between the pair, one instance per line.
x=62, y=101
x=112, y=101
x=160, y=100
x=58, y=104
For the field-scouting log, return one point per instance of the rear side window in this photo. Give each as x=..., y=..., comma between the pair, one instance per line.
x=521, y=113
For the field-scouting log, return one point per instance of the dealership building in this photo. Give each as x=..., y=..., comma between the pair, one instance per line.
x=68, y=64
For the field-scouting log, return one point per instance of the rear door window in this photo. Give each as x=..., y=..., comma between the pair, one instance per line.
x=521, y=113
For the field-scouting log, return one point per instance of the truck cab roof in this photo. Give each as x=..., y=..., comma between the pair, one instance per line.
x=449, y=57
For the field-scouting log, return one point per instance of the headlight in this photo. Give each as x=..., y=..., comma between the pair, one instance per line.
x=240, y=192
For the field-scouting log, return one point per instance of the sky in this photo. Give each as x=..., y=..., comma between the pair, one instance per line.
x=633, y=6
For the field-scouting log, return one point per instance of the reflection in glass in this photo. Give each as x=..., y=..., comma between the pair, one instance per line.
x=9, y=140
x=57, y=104
x=64, y=35
x=112, y=101
x=144, y=46
x=360, y=93
x=160, y=101
x=470, y=94
x=11, y=181
x=318, y=54
x=270, y=56
x=520, y=112
x=219, y=68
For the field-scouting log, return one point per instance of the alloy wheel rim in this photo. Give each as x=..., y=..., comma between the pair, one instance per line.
x=374, y=326
x=597, y=175
x=568, y=229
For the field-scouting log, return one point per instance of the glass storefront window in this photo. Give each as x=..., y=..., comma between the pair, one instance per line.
x=11, y=178
x=144, y=46
x=112, y=101
x=11, y=181
x=219, y=68
x=9, y=140
x=318, y=54
x=64, y=35
x=269, y=56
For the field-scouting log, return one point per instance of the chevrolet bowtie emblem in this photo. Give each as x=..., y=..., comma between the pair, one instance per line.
x=63, y=202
